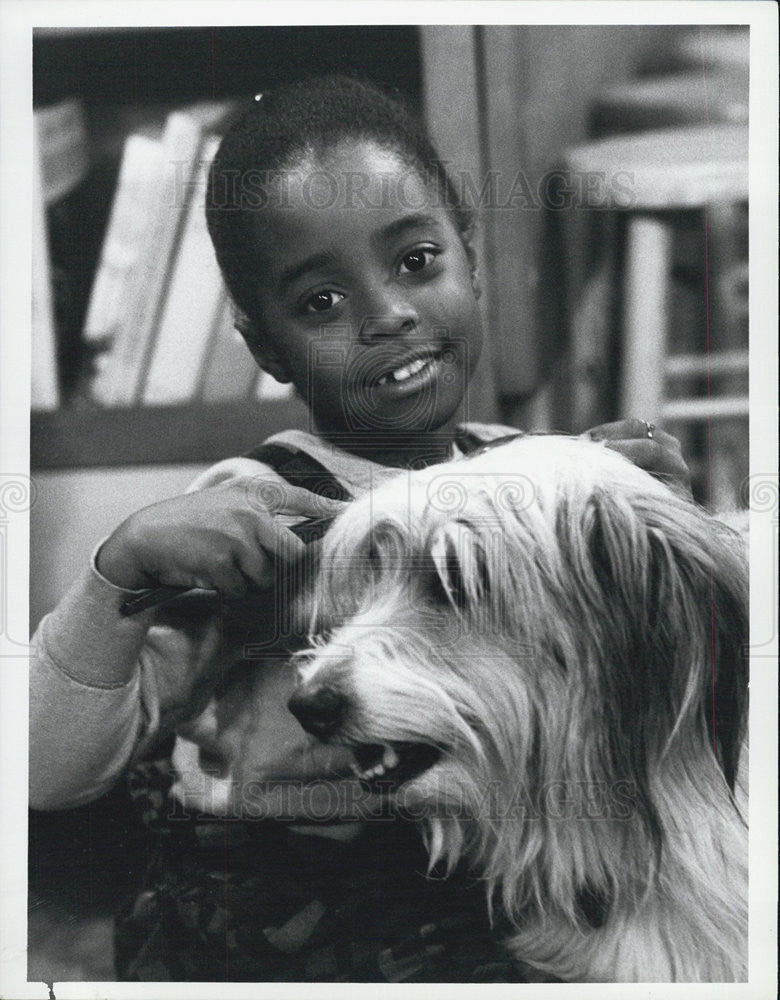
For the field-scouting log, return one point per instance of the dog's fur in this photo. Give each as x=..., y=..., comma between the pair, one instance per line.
x=570, y=636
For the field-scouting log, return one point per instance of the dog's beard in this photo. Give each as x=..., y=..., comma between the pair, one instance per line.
x=585, y=643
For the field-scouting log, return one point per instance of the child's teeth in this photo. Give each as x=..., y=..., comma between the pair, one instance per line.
x=400, y=374
x=409, y=370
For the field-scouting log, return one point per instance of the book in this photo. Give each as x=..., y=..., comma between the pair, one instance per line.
x=44, y=389
x=61, y=135
x=121, y=381
x=230, y=371
x=140, y=175
x=62, y=147
x=192, y=304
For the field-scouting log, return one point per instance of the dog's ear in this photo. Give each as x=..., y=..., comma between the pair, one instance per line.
x=674, y=585
x=727, y=719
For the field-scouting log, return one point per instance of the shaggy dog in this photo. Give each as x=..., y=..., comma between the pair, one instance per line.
x=540, y=651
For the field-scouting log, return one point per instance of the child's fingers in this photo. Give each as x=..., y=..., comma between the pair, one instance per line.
x=288, y=546
x=283, y=498
x=649, y=448
x=255, y=565
x=618, y=430
x=654, y=456
x=630, y=428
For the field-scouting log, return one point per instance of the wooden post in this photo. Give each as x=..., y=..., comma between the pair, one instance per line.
x=451, y=105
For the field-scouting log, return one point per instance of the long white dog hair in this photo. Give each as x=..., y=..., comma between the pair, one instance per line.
x=540, y=652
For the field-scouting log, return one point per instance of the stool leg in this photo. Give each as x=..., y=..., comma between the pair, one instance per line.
x=728, y=314
x=591, y=317
x=648, y=261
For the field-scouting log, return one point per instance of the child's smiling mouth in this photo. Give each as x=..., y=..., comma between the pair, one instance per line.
x=412, y=372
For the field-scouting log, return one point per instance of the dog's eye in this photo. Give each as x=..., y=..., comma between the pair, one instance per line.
x=463, y=563
x=447, y=589
x=435, y=588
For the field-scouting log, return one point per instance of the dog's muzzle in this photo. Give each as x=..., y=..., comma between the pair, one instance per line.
x=322, y=711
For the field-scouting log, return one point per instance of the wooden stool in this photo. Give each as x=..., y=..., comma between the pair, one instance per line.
x=701, y=97
x=661, y=102
x=661, y=176
x=714, y=48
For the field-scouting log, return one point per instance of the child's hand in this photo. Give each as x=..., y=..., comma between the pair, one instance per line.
x=660, y=454
x=223, y=538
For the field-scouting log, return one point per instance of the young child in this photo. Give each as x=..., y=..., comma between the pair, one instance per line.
x=348, y=255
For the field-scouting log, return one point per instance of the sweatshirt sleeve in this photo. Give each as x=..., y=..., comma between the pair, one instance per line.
x=104, y=688
x=86, y=714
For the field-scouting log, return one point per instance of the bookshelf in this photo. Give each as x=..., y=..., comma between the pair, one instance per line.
x=119, y=75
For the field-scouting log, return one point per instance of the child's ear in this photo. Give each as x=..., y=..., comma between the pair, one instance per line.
x=262, y=351
x=471, y=253
x=476, y=284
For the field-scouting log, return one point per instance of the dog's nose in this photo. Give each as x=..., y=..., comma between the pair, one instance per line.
x=319, y=710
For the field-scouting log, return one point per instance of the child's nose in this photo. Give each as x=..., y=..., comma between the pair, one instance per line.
x=387, y=315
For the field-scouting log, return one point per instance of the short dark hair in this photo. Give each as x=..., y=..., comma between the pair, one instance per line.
x=307, y=118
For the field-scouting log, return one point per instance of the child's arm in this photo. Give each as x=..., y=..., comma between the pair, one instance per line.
x=85, y=705
x=104, y=686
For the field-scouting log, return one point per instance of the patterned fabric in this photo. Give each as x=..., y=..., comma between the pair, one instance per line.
x=251, y=901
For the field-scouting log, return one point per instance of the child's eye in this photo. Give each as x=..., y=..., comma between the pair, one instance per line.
x=417, y=259
x=322, y=301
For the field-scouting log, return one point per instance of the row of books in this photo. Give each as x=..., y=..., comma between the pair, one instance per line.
x=158, y=327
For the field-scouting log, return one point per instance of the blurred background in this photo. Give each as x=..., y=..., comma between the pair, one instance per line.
x=608, y=166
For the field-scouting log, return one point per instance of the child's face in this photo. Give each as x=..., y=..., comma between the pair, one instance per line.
x=367, y=297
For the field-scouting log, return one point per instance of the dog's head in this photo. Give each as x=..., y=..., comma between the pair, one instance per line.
x=526, y=626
